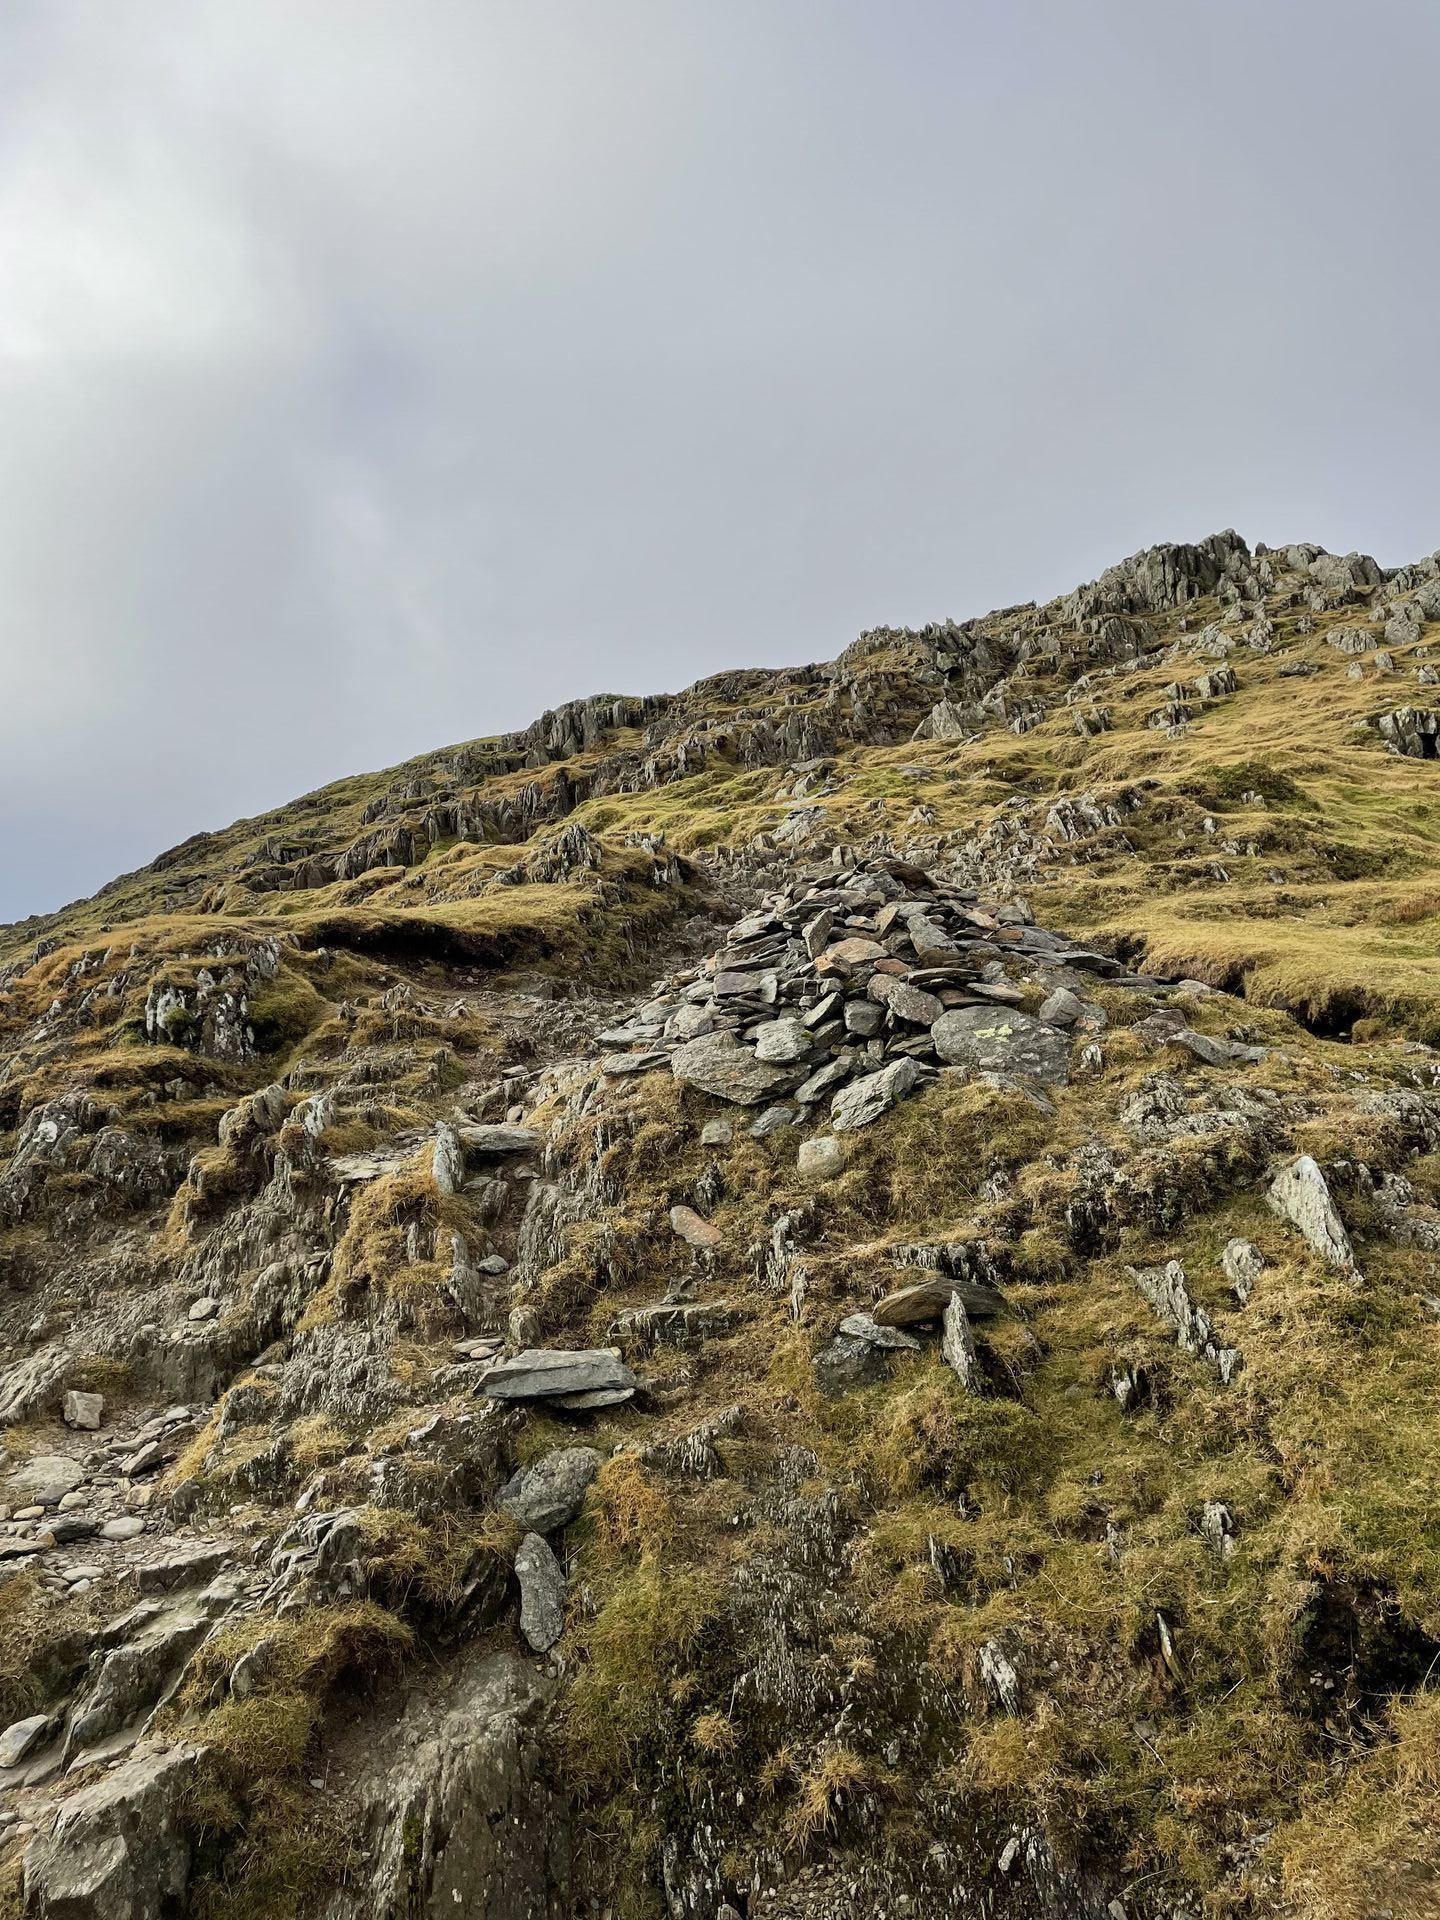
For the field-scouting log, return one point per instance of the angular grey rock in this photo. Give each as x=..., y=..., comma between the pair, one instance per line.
x=820, y=1158
x=717, y=1133
x=912, y=1004
x=1242, y=1264
x=1002, y=1040
x=542, y=1373
x=861, y=1326
x=957, y=1345
x=1299, y=1194
x=823, y=1079
x=549, y=1493
x=783, y=1041
x=447, y=1162
x=864, y=1018
x=1165, y=1289
x=22, y=1737
x=717, y=1063
x=772, y=1120
x=490, y=1142
x=1062, y=1008
x=864, y=1100
x=542, y=1593
x=83, y=1410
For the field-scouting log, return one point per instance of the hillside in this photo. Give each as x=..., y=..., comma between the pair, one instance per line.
x=812, y=1297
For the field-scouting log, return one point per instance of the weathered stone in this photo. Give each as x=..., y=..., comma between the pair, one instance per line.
x=549, y=1493
x=772, y=1120
x=542, y=1593
x=1299, y=1194
x=820, y=1158
x=863, y=1326
x=717, y=1133
x=1242, y=1263
x=957, y=1345
x=118, y=1849
x=864, y=1100
x=21, y=1738
x=46, y=1477
x=926, y=1300
x=696, y=1232
x=1002, y=1040
x=493, y=1142
x=1062, y=1008
x=549, y=1373
x=83, y=1410
x=783, y=1041
x=717, y=1063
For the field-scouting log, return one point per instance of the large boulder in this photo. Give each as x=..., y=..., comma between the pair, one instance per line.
x=1002, y=1040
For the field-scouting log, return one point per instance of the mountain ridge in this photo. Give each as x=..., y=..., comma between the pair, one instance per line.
x=808, y=1297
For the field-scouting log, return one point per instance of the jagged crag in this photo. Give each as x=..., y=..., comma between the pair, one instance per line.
x=811, y=1298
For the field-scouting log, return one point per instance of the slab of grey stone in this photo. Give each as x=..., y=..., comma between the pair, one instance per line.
x=1300, y=1195
x=1002, y=1040
x=717, y=1063
x=864, y=1100
x=543, y=1373
x=542, y=1593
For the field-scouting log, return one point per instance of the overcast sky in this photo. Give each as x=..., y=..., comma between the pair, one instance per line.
x=375, y=375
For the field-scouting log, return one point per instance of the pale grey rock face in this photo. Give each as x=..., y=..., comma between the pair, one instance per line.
x=46, y=1478
x=550, y=1493
x=717, y=1063
x=1300, y=1195
x=1002, y=1040
x=84, y=1411
x=457, y=1810
x=542, y=1593
x=118, y=1849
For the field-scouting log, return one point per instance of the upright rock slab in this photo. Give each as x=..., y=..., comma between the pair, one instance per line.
x=1300, y=1195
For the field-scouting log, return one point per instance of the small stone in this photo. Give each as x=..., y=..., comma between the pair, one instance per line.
x=717, y=1133
x=696, y=1232
x=1062, y=1008
x=542, y=1593
x=772, y=1120
x=820, y=1158
x=127, y=1527
x=1242, y=1264
x=205, y=1308
x=83, y=1410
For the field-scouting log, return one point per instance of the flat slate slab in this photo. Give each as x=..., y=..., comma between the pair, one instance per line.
x=544, y=1373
